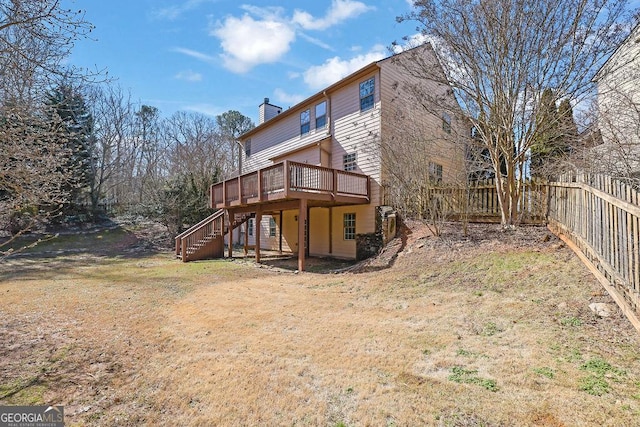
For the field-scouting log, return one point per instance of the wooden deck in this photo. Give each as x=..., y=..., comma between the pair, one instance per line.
x=291, y=181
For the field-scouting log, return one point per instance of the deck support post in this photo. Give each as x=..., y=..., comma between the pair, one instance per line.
x=280, y=239
x=246, y=238
x=257, y=233
x=331, y=230
x=230, y=230
x=302, y=219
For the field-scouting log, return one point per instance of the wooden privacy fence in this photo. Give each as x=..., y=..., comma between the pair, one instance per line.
x=601, y=217
x=597, y=216
x=479, y=201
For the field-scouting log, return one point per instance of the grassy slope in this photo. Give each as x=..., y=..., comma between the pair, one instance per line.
x=458, y=332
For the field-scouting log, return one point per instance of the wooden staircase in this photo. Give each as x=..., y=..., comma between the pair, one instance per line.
x=205, y=240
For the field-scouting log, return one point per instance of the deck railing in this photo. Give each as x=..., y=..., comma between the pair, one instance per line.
x=283, y=179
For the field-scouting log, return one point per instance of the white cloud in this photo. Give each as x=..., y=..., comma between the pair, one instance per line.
x=174, y=12
x=265, y=34
x=189, y=76
x=335, y=68
x=247, y=42
x=206, y=109
x=339, y=11
x=316, y=41
x=195, y=54
x=287, y=99
x=410, y=42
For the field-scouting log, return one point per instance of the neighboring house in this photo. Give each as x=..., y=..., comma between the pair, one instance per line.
x=312, y=175
x=618, y=82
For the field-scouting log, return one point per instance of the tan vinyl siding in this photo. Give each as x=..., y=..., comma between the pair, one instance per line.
x=290, y=231
x=281, y=138
x=365, y=223
x=402, y=114
x=319, y=232
x=357, y=132
x=310, y=156
x=289, y=236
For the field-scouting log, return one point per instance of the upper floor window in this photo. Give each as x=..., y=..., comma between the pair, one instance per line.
x=247, y=148
x=321, y=115
x=367, y=89
x=435, y=172
x=349, y=161
x=446, y=122
x=305, y=122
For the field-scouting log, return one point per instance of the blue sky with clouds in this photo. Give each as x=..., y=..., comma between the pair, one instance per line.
x=212, y=56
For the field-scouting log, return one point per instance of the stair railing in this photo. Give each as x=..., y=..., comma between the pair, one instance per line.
x=207, y=228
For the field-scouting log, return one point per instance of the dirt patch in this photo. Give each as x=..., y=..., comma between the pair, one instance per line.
x=488, y=329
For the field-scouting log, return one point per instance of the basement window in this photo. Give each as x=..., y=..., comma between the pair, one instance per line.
x=349, y=221
x=272, y=227
x=250, y=226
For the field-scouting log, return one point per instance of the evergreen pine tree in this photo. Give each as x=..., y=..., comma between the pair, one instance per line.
x=69, y=110
x=544, y=147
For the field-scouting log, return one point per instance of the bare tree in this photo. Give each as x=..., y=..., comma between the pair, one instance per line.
x=35, y=38
x=33, y=171
x=115, y=148
x=500, y=55
x=196, y=155
x=197, y=145
x=232, y=124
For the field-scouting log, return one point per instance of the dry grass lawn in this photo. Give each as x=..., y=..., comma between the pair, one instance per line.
x=492, y=330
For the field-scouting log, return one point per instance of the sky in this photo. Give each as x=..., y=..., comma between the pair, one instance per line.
x=212, y=56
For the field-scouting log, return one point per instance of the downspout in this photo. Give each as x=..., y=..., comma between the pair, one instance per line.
x=328, y=100
x=326, y=97
x=240, y=147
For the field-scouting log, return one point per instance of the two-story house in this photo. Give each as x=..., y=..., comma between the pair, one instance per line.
x=313, y=176
x=618, y=83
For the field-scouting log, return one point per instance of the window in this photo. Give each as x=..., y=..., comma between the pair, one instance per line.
x=247, y=148
x=349, y=226
x=446, y=122
x=321, y=115
x=435, y=172
x=272, y=227
x=367, y=89
x=250, y=226
x=349, y=161
x=305, y=122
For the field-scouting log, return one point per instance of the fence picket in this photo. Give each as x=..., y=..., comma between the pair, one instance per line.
x=602, y=217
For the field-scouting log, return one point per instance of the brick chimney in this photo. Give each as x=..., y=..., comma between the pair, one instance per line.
x=268, y=111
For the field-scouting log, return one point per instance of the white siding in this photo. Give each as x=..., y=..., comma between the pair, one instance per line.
x=404, y=119
x=619, y=110
x=283, y=137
